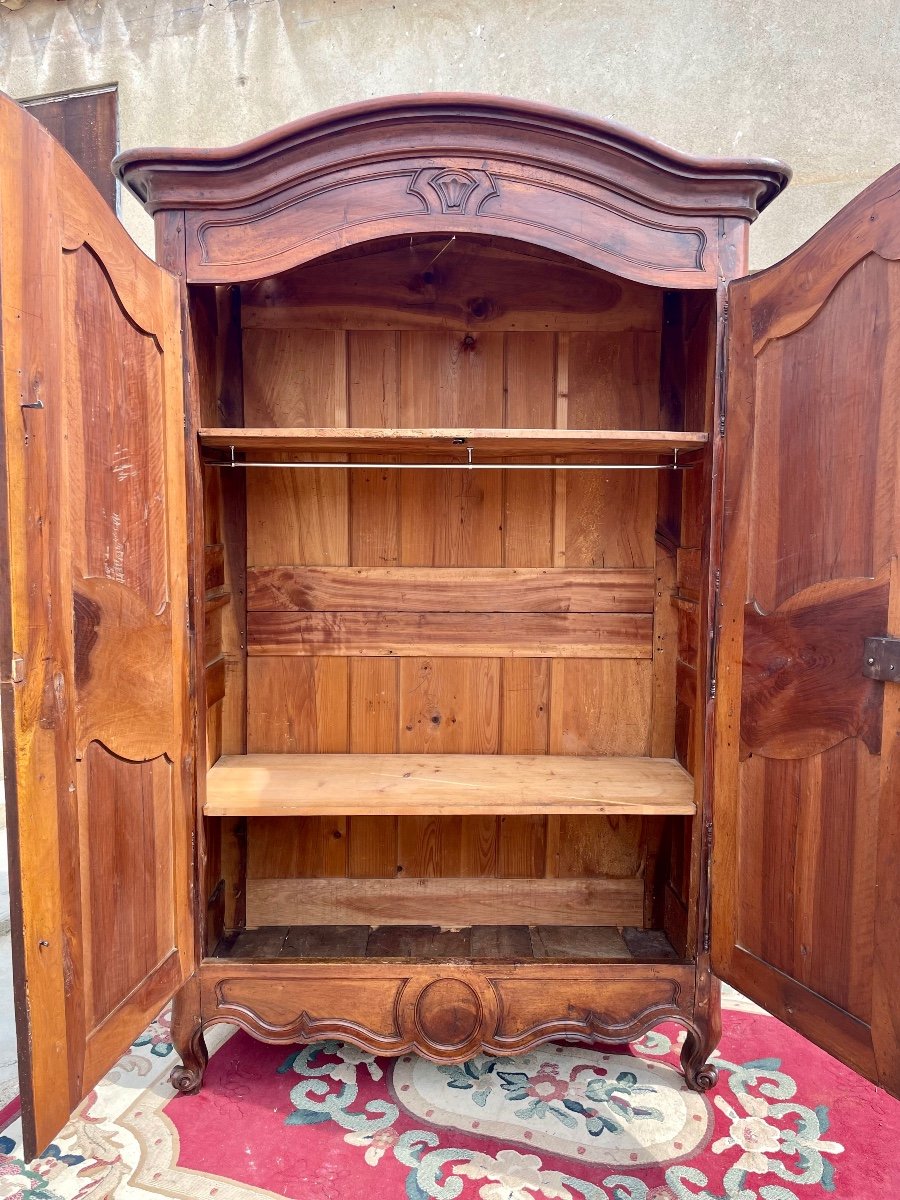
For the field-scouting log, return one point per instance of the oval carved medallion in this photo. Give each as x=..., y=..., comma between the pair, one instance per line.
x=448, y=1013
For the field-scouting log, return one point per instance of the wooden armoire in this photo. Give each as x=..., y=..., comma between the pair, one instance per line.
x=446, y=608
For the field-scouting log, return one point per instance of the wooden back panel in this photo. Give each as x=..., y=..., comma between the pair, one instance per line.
x=475, y=681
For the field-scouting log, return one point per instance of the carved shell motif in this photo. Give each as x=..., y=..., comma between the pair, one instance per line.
x=456, y=191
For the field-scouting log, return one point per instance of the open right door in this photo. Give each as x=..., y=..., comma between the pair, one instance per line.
x=806, y=859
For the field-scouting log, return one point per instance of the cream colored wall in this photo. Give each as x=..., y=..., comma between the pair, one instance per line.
x=814, y=83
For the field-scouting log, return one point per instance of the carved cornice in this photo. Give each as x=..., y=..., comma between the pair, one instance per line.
x=447, y=125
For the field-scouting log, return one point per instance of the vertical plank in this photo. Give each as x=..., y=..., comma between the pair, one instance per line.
x=605, y=520
x=374, y=540
x=297, y=517
x=665, y=655
x=374, y=686
x=662, y=720
x=374, y=400
x=429, y=846
x=524, y=730
x=601, y=707
x=453, y=518
x=531, y=402
x=558, y=553
x=296, y=377
x=451, y=378
x=297, y=706
x=449, y=706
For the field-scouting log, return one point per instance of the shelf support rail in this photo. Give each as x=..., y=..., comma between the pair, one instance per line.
x=455, y=465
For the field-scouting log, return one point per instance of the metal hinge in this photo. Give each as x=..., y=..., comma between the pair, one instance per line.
x=16, y=670
x=881, y=658
x=714, y=641
x=707, y=916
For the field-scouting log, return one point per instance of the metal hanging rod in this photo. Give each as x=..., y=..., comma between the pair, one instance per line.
x=469, y=465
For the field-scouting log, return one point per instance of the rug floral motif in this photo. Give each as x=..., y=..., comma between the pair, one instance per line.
x=576, y=1105
x=567, y=1121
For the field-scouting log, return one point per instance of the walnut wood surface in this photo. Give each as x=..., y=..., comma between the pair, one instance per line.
x=448, y=1011
x=455, y=163
x=806, y=896
x=804, y=690
x=495, y=170
x=101, y=788
x=116, y=672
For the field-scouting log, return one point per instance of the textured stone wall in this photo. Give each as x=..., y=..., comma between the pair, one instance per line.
x=814, y=82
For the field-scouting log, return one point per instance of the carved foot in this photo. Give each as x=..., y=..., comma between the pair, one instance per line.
x=700, y=1075
x=188, y=1077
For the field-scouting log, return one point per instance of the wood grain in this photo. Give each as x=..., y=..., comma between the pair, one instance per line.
x=448, y=589
x=87, y=125
x=478, y=284
x=804, y=690
x=494, y=336
x=811, y=539
x=449, y=902
x=316, y=784
x=434, y=703
x=94, y=508
x=451, y=635
x=521, y=1003
x=572, y=184
x=453, y=442
x=496, y=943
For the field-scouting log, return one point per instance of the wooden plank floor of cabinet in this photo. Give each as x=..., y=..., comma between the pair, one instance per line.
x=521, y=943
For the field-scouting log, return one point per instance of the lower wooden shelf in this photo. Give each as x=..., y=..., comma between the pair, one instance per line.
x=445, y=785
x=515, y=943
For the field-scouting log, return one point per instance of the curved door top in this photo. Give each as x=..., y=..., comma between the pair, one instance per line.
x=463, y=164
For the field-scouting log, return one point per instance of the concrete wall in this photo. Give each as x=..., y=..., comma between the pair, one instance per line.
x=814, y=82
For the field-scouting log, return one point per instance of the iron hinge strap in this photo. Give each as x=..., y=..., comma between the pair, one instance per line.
x=722, y=370
x=707, y=919
x=16, y=670
x=714, y=641
x=881, y=658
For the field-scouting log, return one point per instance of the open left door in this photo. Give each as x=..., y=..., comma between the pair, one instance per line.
x=94, y=650
x=806, y=860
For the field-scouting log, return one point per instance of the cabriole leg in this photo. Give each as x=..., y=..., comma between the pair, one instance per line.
x=187, y=1038
x=703, y=1036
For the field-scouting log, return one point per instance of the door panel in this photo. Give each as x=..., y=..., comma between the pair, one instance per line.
x=96, y=707
x=806, y=907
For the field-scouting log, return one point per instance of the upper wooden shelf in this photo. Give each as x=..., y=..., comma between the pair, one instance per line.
x=503, y=443
x=254, y=785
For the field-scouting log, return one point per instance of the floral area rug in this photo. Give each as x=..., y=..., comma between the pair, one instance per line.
x=566, y=1122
